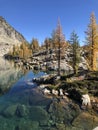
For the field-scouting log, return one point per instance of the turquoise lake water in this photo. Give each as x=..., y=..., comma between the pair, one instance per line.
x=21, y=106
x=24, y=107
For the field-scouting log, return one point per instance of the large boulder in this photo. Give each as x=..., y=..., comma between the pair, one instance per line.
x=9, y=111
x=37, y=113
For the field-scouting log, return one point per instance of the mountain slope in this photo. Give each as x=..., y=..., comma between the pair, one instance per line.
x=8, y=37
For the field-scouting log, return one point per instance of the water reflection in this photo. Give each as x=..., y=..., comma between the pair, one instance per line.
x=8, y=75
x=24, y=107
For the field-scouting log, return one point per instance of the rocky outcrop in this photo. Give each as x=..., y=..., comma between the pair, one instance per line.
x=8, y=37
x=50, y=61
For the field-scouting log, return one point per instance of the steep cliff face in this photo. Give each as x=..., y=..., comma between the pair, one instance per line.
x=8, y=37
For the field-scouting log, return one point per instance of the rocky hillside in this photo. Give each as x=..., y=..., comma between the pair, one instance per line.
x=41, y=60
x=8, y=37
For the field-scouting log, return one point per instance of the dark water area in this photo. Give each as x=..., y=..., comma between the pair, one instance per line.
x=24, y=107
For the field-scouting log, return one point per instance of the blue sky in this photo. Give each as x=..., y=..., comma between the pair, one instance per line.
x=38, y=18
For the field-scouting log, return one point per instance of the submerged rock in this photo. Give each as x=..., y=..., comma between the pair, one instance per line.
x=37, y=113
x=9, y=111
x=6, y=124
x=22, y=111
x=27, y=125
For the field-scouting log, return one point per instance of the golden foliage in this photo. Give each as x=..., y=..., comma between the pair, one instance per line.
x=92, y=40
x=22, y=51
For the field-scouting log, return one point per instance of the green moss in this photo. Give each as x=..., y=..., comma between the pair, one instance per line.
x=85, y=121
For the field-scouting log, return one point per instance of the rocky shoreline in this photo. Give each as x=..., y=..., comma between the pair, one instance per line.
x=33, y=109
x=62, y=106
x=86, y=110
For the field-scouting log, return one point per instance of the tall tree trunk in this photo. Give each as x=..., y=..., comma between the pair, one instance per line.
x=59, y=59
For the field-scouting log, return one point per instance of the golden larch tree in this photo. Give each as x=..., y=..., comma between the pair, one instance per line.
x=92, y=41
x=59, y=42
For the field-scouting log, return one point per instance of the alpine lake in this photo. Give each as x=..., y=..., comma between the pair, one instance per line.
x=23, y=107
